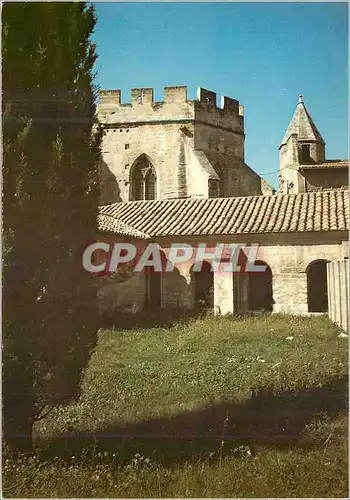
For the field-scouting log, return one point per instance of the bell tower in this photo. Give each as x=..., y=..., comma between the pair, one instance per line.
x=302, y=144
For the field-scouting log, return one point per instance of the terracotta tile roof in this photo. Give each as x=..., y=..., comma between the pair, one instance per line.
x=314, y=211
x=109, y=224
x=327, y=164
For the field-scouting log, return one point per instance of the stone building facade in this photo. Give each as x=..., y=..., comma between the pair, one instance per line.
x=296, y=236
x=303, y=164
x=178, y=176
x=175, y=148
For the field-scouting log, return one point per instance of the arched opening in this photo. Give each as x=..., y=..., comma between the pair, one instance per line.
x=260, y=289
x=150, y=185
x=154, y=283
x=136, y=184
x=203, y=286
x=143, y=180
x=154, y=291
x=317, y=294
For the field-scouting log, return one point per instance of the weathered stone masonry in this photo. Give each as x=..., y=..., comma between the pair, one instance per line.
x=194, y=146
x=293, y=233
x=183, y=153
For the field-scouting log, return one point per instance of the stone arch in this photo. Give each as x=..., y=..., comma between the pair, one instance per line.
x=143, y=179
x=203, y=285
x=260, y=290
x=305, y=263
x=317, y=290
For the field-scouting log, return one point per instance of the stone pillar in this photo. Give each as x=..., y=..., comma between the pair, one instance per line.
x=337, y=288
x=344, y=284
x=243, y=292
x=330, y=291
x=224, y=292
x=337, y=292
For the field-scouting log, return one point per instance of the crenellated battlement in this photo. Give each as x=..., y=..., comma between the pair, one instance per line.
x=172, y=95
x=175, y=108
x=188, y=141
x=109, y=97
x=142, y=96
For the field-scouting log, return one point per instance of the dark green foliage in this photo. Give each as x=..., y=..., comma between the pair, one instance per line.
x=50, y=199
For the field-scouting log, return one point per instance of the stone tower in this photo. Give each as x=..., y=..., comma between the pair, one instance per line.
x=173, y=149
x=302, y=144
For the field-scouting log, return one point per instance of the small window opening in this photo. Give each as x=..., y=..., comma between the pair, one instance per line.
x=213, y=188
x=305, y=153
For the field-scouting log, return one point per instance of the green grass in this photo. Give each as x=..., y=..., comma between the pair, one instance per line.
x=209, y=407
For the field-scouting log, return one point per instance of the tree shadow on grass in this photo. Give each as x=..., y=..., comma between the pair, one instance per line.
x=265, y=420
x=164, y=318
x=155, y=318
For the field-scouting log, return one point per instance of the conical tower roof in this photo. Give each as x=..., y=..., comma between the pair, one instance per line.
x=302, y=125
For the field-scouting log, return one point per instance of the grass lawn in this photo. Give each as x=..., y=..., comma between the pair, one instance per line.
x=209, y=407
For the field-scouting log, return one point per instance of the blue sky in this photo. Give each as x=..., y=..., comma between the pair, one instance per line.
x=263, y=54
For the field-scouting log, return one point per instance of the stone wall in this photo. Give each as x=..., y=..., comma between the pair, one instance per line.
x=288, y=262
x=289, y=265
x=126, y=296
x=288, y=256
x=144, y=127
x=165, y=132
x=291, y=180
x=119, y=291
x=330, y=178
x=288, y=153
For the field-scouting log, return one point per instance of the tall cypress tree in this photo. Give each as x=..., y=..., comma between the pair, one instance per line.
x=50, y=199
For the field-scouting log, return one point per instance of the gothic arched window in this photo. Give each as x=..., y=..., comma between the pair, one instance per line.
x=150, y=185
x=143, y=180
